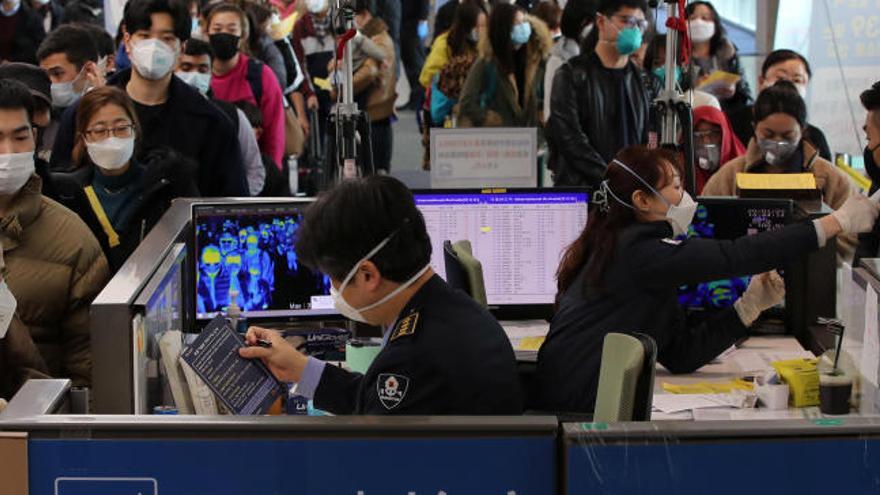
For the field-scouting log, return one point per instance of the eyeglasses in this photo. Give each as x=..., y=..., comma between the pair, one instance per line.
x=102, y=133
x=631, y=21
x=704, y=136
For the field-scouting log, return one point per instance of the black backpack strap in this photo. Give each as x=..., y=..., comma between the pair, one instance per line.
x=255, y=78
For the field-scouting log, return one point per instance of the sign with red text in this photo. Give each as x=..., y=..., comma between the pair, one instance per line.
x=478, y=158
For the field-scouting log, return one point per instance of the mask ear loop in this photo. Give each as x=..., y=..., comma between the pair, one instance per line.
x=643, y=181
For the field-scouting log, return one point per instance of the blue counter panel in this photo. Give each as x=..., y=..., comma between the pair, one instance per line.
x=850, y=466
x=515, y=466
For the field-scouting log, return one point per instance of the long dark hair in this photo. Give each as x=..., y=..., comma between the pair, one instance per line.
x=594, y=248
x=720, y=37
x=257, y=16
x=500, y=27
x=782, y=97
x=465, y=21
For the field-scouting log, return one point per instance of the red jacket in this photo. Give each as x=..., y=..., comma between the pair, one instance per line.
x=731, y=147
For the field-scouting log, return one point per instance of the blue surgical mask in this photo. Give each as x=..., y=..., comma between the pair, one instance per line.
x=660, y=72
x=521, y=33
x=628, y=41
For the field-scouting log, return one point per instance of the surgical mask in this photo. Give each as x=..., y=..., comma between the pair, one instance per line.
x=16, y=4
x=521, y=33
x=316, y=6
x=64, y=94
x=701, y=30
x=357, y=314
x=225, y=45
x=112, y=153
x=777, y=152
x=7, y=308
x=660, y=73
x=152, y=58
x=708, y=156
x=196, y=79
x=679, y=216
x=628, y=41
x=474, y=35
x=15, y=170
x=195, y=29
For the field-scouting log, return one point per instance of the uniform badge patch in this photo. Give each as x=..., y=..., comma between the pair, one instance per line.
x=406, y=326
x=391, y=389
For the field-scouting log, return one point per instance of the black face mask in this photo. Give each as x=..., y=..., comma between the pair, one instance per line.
x=225, y=45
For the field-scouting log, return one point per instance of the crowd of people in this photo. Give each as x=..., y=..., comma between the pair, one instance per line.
x=99, y=133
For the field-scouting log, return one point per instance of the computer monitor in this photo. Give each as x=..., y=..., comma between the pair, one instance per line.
x=519, y=236
x=246, y=250
x=730, y=218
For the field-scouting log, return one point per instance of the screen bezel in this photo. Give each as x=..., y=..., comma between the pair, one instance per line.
x=789, y=206
x=279, y=317
x=515, y=311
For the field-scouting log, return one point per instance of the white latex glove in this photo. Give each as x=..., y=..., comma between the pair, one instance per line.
x=857, y=215
x=765, y=291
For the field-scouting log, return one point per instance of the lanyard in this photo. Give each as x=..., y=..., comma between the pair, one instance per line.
x=112, y=236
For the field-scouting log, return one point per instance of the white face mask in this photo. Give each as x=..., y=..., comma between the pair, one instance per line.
x=701, y=30
x=316, y=6
x=196, y=79
x=358, y=314
x=152, y=58
x=112, y=153
x=15, y=170
x=64, y=94
x=679, y=216
x=586, y=31
x=7, y=308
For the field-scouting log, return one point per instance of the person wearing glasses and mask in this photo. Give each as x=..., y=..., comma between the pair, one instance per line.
x=714, y=143
x=623, y=272
x=170, y=112
x=117, y=196
x=599, y=103
x=442, y=354
x=780, y=146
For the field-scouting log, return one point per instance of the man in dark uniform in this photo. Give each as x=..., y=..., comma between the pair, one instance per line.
x=443, y=353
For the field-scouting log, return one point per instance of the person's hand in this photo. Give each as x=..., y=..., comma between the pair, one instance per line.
x=306, y=127
x=725, y=92
x=857, y=215
x=285, y=362
x=312, y=102
x=765, y=291
x=331, y=65
x=385, y=65
x=2, y=404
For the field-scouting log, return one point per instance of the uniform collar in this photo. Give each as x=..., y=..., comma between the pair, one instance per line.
x=415, y=304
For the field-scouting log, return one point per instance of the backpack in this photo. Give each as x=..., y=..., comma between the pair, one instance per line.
x=255, y=78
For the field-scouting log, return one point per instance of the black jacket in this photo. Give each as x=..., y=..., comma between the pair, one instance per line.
x=55, y=8
x=639, y=295
x=741, y=120
x=191, y=125
x=415, y=10
x=446, y=356
x=29, y=33
x=585, y=128
x=166, y=175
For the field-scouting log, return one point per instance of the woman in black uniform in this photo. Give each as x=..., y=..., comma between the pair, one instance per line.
x=622, y=273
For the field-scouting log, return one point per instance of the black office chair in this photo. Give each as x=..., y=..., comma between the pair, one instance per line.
x=645, y=387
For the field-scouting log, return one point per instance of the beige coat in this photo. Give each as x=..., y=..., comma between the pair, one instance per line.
x=834, y=185
x=380, y=80
x=55, y=268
